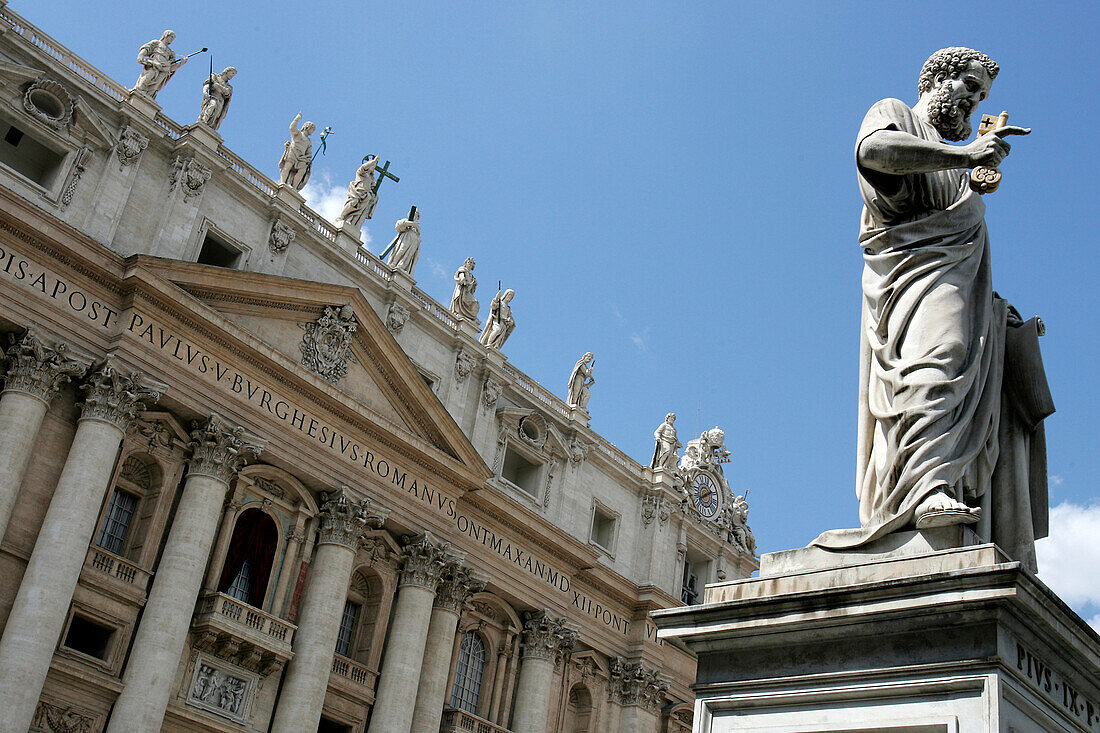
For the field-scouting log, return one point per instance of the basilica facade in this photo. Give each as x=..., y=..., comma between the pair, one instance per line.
x=252, y=478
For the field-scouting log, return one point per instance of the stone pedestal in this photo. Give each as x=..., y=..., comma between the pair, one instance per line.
x=905, y=637
x=203, y=135
x=403, y=279
x=349, y=238
x=218, y=452
x=147, y=106
x=343, y=521
x=423, y=562
x=42, y=603
x=290, y=196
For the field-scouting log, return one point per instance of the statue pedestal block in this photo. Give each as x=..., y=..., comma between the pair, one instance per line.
x=349, y=238
x=403, y=279
x=468, y=327
x=289, y=196
x=143, y=104
x=203, y=135
x=912, y=640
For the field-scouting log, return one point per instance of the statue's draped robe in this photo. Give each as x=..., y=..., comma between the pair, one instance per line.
x=932, y=358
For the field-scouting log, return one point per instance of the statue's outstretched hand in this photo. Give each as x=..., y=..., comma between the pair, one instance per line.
x=990, y=149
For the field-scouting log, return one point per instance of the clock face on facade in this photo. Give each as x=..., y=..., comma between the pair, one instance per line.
x=704, y=493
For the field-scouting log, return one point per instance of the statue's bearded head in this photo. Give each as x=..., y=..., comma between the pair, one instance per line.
x=955, y=79
x=308, y=128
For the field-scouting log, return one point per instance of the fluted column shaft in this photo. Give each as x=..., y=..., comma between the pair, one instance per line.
x=218, y=452
x=36, y=373
x=42, y=602
x=431, y=693
x=343, y=521
x=423, y=562
x=544, y=639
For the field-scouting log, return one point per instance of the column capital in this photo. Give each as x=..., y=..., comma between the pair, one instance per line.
x=545, y=636
x=635, y=684
x=116, y=396
x=423, y=559
x=39, y=367
x=456, y=584
x=344, y=518
x=219, y=449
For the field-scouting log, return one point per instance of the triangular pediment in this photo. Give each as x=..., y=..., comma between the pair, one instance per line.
x=330, y=338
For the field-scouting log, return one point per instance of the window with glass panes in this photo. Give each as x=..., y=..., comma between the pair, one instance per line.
x=112, y=534
x=471, y=665
x=239, y=588
x=347, y=627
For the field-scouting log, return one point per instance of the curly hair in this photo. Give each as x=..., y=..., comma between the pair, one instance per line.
x=952, y=61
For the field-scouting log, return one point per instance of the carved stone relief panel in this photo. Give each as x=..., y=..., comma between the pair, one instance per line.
x=221, y=689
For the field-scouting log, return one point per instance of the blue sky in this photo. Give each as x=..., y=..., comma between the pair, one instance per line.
x=671, y=186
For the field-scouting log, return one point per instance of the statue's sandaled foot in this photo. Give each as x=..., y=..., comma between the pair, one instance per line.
x=940, y=510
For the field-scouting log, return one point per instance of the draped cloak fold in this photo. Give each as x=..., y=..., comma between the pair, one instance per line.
x=932, y=344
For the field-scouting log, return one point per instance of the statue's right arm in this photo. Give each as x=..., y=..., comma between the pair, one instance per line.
x=898, y=153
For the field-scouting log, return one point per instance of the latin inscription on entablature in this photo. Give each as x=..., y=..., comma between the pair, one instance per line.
x=1053, y=686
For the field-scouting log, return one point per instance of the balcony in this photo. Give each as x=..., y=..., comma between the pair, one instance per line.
x=353, y=679
x=459, y=721
x=242, y=634
x=115, y=574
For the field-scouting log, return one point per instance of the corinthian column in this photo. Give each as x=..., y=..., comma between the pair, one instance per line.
x=545, y=638
x=218, y=451
x=455, y=586
x=422, y=565
x=343, y=521
x=36, y=372
x=112, y=399
x=641, y=692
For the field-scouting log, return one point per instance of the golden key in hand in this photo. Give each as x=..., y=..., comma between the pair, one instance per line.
x=985, y=179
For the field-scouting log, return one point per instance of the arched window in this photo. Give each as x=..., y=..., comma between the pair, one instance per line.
x=121, y=528
x=471, y=665
x=579, y=711
x=249, y=558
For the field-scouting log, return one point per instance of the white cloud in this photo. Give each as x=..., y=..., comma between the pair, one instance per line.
x=436, y=269
x=1056, y=480
x=327, y=199
x=1069, y=557
x=638, y=340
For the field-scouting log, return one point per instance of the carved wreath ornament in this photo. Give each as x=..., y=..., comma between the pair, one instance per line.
x=326, y=347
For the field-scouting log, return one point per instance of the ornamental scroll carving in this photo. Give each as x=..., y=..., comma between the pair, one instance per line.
x=634, y=684
x=344, y=518
x=130, y=146
x=423, y=560
x=219, y=449
x=190, y=175
x=491, y=392
x=326, y=346
x=40, y=368
x=545, y=636
x=282, y=236
x=116, y=396
x=456, y=585
x=80, y=164
x=58, y=719
x=396, y=318
x=464, y=365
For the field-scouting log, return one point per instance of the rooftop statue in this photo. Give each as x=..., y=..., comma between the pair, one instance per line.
x=216, y=92
x=158, y=64
x=404, y=249
x=580, y=380
x=706, y=451
x=500, y=324
x=664, y=453
x=463, y=302
x=942, y=438
x=297, y=161
x=361, y=195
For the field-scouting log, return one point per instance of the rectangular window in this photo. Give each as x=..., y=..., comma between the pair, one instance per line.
x=89, y=637
x=603, y=529
x=117, y=521
x=689, y=592
x=347, y=628
x=218, y=253
x=28, y=156
x=521, y=472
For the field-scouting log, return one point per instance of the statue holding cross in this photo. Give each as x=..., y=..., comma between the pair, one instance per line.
x=361, y=195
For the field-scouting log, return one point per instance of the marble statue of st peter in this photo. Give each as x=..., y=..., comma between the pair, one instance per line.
x=939, y=442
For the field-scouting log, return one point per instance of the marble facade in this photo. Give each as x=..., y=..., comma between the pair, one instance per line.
x=255, y=480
